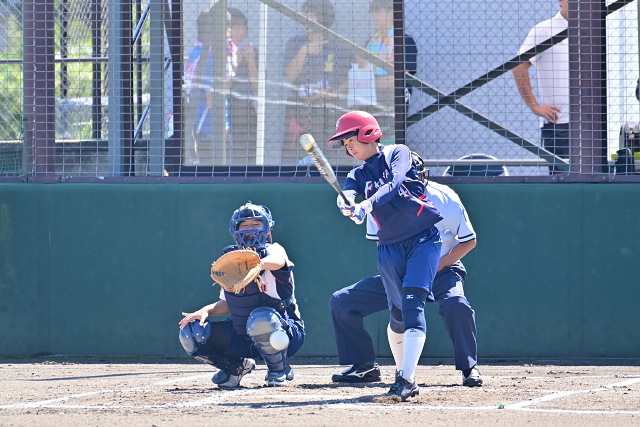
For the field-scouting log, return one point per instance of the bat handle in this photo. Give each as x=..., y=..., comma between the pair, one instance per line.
x=346, y=200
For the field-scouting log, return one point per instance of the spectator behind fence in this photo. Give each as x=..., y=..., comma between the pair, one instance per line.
x=194, y=92
x=552, y=71
x=317, y=68
x=199, y=79
x=381, y=44
x=244, y=86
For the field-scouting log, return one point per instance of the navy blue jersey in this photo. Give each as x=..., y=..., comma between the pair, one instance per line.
x=389, y=180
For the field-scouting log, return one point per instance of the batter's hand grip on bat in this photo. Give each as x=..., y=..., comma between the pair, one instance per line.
x=346, y=207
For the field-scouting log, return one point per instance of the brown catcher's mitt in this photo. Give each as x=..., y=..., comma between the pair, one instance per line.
x=236, y=269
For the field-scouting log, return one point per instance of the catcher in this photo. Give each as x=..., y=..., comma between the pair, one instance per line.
x=264, y=319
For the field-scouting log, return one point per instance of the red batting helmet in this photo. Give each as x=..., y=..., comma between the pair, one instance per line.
x=359, y=123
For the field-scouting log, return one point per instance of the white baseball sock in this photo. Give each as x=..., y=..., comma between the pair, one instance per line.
x=413, y=344
x=396, y=342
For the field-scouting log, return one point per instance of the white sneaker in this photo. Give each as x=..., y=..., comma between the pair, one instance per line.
x=279, y=378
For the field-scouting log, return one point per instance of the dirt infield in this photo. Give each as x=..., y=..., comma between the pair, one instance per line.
x=73, y=392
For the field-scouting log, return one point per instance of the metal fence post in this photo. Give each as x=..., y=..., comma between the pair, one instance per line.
x=400, y=107
x=39, y=84
x=120, y=88
x=588, y=86
x=156, y=90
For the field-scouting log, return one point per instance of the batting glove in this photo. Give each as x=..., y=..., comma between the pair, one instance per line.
x=360, y=211
x=345, y=208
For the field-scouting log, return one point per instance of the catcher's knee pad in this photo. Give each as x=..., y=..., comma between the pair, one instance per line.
x=261, y=324
x=194, y=339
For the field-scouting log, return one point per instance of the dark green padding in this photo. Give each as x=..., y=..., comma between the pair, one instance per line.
x=106, y=269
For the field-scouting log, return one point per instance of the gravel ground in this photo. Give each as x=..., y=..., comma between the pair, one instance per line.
x=68, y=391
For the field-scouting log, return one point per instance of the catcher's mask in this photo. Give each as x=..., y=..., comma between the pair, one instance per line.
x=254, y=238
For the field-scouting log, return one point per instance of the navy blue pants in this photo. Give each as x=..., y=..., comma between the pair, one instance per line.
x=409, y=263
x=350, y=305
x=555, y=138
x=240, y=346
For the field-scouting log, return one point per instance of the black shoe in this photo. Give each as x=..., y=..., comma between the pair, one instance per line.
x=226, y=379
x=403, y=388
x=358, y=373
x=473, y=379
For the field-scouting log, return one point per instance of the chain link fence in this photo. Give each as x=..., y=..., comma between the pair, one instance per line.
x=176, y=89
x=11, y=112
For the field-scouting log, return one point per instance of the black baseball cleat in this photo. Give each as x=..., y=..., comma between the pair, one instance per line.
x=473, y=379
x=403, y=388
x=358, y=373
x=232, y=379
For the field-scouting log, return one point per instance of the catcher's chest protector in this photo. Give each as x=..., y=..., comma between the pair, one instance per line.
x=243, y=303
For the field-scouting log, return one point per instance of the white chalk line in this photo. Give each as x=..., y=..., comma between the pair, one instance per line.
x=184, y=379
x=49, y=403
x=476, y=408
x=559, y=395
x=572, y=377
x=579, y=411
x=211, y=400
x=407, y=407
x=59, y=399
x=350, y=403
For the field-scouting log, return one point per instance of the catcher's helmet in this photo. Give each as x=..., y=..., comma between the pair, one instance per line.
x=417, y=161
x=359, y=123
x=256, y=238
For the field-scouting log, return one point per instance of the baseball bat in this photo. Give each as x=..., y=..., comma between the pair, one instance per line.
x=322, y=164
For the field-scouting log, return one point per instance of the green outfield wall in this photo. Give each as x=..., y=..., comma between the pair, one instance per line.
x=106, y=269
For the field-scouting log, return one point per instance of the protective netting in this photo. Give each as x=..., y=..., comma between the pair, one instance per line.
x=214, y=88
x=11, y=115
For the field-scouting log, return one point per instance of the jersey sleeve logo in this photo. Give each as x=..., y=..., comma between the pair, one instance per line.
x=371, y=187
x=403, y=192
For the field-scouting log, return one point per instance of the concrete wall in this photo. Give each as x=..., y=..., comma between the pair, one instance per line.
x=106, y=269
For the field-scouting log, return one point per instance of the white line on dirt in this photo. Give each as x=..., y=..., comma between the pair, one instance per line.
x=405, y=407
x=213, y=400
x=561, y=394
x=184, y=379
x=350, y=403
x=555, y=395
x=475, y=408
x=509, y=377
x=572, y=377
x=307, y=396
x=579, y=411
x=580, y=377
x=50, y=401
x=624, y=383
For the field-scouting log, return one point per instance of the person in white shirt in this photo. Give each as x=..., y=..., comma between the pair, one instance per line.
x=350, y=305
x=552, y=74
